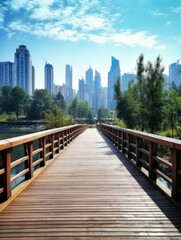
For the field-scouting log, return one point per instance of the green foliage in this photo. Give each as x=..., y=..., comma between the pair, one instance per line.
x=41, y=102
x=141, y=106
x=102, y=114
x=154, y=95
x=83, y=109
x=20, y=100
x=60, y=101
x=80, y=111
x=56, y=117
x=126, y=106
x=172, y=111
x=73, y=108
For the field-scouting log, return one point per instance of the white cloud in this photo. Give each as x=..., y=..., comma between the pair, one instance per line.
x=176, y=10
x=158, y=13
x=169, y=23
x=75, y=21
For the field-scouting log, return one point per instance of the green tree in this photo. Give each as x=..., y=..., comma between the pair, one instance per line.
x=73, y=108
x=20, y=100
x=60, y=101
x=83, y=109
x=127, y=106
x=102, y=114
x=154, y=95
x=56, y=117
x=42, y=101
x=6, y=99
x=141, y=92
x=172, y=110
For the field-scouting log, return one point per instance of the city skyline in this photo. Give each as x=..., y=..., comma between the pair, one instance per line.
x=83, y=33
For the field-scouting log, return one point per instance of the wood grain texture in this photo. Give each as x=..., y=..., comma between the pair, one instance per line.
x=90, y=192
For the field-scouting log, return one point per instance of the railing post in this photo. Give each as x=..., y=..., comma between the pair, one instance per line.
x=119, y=139
x=58, y=143
x=152, y=162
x=62, y=141
x=43, y=153
x=51, y=140
x=28, y=147
x=138, y=155
x=129, y=137
x=176, y=167
x=6, y=177
x=122, y=138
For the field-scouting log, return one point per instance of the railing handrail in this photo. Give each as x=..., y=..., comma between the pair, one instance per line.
x=146, y=156
x=50, y=144
x=15, y=141
x=169, y=142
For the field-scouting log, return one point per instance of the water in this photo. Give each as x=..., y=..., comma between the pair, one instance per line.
x=18, y=151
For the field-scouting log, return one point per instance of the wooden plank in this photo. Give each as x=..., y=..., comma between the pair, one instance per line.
x=22, y=173
x=90, y=192
x=17, y=162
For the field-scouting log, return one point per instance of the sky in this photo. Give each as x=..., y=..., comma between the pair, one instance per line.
x=85, y=33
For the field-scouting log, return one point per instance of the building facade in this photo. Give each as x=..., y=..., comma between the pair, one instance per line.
x=97, y=87
x=175, y=73
x=6, y=74
x=49, y=78
x=23, y=69
x=113, y=75
x=68, y=82
x=81, y=94
x=126, y=79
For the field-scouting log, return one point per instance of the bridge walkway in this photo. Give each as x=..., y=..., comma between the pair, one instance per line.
x=90, y=192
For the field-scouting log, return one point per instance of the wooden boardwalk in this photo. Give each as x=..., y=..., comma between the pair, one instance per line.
x=90, y=192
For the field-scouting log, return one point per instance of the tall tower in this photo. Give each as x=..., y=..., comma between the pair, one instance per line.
x=49, y=78
x=89, y=79
x=175, y=73
x=23, y=69
x=6, y=74
x=68, y=82
x=113, y=75
x=81, y=90
x=33, y=79
x=97, y=80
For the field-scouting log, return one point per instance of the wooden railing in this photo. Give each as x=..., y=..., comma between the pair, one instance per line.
x=37, y=149
x=159, y=157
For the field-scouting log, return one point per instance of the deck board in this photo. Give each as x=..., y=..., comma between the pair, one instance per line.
x=90, y=192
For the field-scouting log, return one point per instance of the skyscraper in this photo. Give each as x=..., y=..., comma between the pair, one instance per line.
x=89, y=79
x=175, y=73
x=68, y=82
x=23, y=69
x=89, y=87
x=97, y=80
x=33, y=79
x=49, y=81
x=6, y=74
x=113, y=75
x=126, y=79
x=81, y=95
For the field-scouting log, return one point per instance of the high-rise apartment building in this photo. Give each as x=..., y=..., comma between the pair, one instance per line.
x=23, y=69
x=6, y=74
x=175, y=73
x=113, y=75
x=49, y=81
x=97, y=85
x=33, y=79
x=68, y=82
x=89, y=79
x=126, y=79
x=81, y=94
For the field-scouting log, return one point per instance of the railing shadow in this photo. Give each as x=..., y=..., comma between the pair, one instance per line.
x=148, y=187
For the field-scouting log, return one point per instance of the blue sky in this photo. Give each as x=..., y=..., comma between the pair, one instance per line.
x=88, y=32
